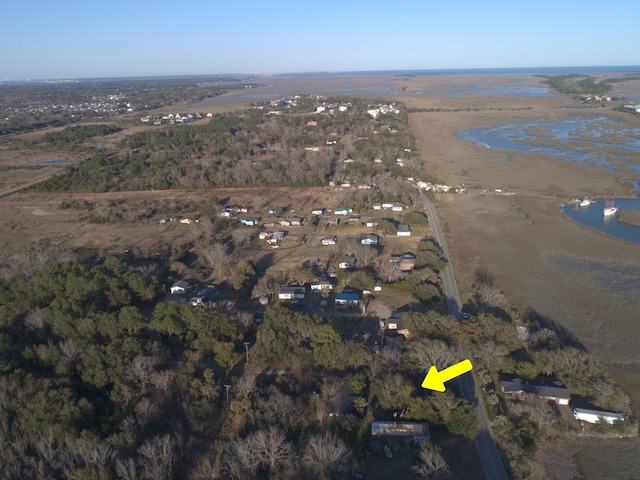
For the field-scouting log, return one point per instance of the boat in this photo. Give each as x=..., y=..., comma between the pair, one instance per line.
x=585, y=202
x=609, y=208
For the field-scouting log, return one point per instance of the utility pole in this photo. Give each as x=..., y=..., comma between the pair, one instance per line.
x=246, y=349
x=227, y=387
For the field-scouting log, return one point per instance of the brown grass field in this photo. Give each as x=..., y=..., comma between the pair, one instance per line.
x=577, y=278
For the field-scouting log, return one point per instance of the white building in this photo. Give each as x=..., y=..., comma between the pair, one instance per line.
x=596, y=416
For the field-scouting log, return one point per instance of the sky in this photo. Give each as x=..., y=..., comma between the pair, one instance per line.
x=52, y=39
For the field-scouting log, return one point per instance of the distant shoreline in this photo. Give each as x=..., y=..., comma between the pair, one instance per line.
x=397, y=72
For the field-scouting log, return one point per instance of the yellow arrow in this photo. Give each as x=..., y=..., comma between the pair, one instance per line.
x=435, y=379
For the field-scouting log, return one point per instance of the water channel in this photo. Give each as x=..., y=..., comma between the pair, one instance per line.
x=597, y=142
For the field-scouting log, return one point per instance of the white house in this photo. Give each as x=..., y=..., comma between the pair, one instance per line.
x=317, y=211
x=347, y=263
x=179, y=288
x=291, y=293
x=343, y=211
x=596, y=416
x=403, y=230
x=397, y=207
x=329, y=240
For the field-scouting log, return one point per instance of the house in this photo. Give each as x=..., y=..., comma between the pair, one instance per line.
x=378, y=287
x=596, y=416
x=296, y=221
x=346, y=300
x=407, y=262
x=555, y=391
x=317, y=211
x=513, y=388
x=343, y=211
x=278, y=236
x=396, y=324
x=203, y=297
x=321, y=286
x=397, y=207
x=333, y=222
x=371, y=223
x=369, y=239
x=347, y=263
x=291, y=293
x=517, y=389
x=179, y=288
x=403, y=230
x=250, y=221
x=329, y=240
x=418, y=432
x=387, y=205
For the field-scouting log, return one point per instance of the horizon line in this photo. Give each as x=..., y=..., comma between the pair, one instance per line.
x=412, y=71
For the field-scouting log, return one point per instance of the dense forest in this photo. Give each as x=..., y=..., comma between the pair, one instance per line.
x=102, y=380
x=248, y=149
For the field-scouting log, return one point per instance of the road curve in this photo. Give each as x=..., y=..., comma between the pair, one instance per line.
x=493, y=466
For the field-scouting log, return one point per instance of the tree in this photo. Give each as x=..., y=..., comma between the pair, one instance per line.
x=432, y=463
x=156, y=457
x=422, y=353
x=325, y=456
x=217, y=257
x=492, y=297
x=492, y=355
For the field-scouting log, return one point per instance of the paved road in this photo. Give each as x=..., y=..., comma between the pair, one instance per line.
x=485, y=443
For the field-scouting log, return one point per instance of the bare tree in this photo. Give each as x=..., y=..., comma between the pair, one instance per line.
x=492, y=297
x=365, y=254
x=209, y=470
x=156, y=457
x=69, y=350
x=433, y=465
x=217, y=257
x=424, y=352
x=140, y=371
x=35, y=319
x=272, y=448
x=246, y=385
x=326, y=456
x=491, y=354
x=126, y=469
x=241, y=459
x=388, y=271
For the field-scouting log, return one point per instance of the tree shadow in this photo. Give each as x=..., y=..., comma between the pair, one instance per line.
x=540, y=321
